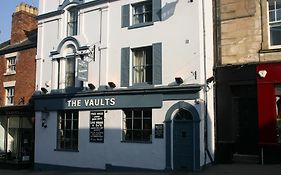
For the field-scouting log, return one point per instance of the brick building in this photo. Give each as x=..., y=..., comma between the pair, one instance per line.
x=17, y=77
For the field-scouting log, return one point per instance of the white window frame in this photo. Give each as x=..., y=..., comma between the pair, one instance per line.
x=275, y=22
x=142, y=68
x=11, y=62
x=143, y=13
x=10, y=95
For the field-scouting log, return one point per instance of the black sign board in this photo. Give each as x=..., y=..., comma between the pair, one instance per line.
x=97, y=126
x=159, y=131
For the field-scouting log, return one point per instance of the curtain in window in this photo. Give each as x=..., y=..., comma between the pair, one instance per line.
x=139, y=66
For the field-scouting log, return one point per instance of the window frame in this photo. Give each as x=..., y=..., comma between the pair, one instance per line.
x=63, y=121
x=129, y=133
x=273, y=23
x=72, y=21
x=11, y=64
x=10, y=96
x=147, y=65
x=143, y=13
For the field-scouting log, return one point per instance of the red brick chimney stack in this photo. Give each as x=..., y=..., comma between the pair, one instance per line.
x=23, y=21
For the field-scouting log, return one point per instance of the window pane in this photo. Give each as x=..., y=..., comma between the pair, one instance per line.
x=278, y=4
x=128, y=123
x=147, y=135
x=275, y=35
x=271, y=16
x=137, y=124
x=278, y=14
x=147, y=124
x=271, y=5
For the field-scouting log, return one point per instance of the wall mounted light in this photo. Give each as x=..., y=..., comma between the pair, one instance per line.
x=91, y=86
x=44, y=90
x=178, y=80
x=111, y=84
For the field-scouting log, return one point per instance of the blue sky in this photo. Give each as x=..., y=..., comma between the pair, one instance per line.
x=7, y=8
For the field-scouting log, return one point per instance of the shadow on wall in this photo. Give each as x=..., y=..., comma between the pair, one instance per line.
x=168, y=10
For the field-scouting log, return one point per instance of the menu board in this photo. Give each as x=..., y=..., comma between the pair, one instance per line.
x=97, y=126
x=159, y=130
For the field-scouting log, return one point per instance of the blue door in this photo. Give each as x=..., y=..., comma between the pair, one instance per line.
x=183, y=141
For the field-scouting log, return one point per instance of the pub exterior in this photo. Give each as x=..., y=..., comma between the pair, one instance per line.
x=124, y=84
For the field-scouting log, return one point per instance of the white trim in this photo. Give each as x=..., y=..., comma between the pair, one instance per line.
x=9, y=55
x=9, y=84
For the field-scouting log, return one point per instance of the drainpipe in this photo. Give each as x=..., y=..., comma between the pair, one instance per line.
x=207, y=152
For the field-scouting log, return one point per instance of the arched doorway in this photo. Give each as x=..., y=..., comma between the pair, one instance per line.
x=183, y=140
x=182, y=137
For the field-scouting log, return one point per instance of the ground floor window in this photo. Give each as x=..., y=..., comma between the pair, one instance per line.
x=67, y=136
x=137, y=125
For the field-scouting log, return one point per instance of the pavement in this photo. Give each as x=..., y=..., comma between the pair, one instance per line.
x=218, y=169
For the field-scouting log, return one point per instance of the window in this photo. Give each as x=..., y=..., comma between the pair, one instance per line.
x=10, y=94
x=70, y=72
x=67, y=137
x=11, y=64
x=142, y=65
x=142, y=12
x=275, y=22
x=137, y=125
x=72, y=21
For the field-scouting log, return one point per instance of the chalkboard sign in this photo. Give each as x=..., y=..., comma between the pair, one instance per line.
x=97, y=126
x=159, y=131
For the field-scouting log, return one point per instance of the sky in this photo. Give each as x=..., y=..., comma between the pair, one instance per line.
x=7, y=8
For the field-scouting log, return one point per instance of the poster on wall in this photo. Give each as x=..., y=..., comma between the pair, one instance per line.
x=96, y=127
x=159, y=131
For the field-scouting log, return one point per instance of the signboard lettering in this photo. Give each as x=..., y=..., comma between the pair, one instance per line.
x=97, y=126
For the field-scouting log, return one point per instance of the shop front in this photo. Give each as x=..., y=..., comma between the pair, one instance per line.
x=16, y=136
x=159, y=128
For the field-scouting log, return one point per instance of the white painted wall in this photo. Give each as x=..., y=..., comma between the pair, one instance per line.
x=182, y=35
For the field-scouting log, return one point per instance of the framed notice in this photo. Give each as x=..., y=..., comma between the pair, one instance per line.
x=97, y=126
x=159, y=131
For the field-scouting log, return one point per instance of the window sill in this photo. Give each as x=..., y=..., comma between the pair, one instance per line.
x=140, y=25
x=10, y=73
x=67, y=150
x=140, y=142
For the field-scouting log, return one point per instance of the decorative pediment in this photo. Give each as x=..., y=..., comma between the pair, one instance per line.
x=67, y=2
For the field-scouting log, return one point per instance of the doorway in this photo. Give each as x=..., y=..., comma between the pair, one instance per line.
x=183, y=141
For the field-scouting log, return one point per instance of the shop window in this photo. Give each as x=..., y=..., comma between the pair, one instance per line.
x=67, y=136
x=137, y=125
x=274, y=7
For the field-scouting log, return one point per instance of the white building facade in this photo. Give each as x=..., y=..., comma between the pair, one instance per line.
x=124, y=84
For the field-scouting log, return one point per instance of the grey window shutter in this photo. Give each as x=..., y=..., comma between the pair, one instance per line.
x=156, y=5
x=157, y=63
x=125, y=20
x=125, y=66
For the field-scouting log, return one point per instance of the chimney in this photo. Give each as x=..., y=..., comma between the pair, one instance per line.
x=23, y=22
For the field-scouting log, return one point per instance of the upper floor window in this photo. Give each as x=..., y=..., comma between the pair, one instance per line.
x=67, y=136
x=137, y=125
x=142, y=12
x=70, y=72
x=72, y=22
x=142, y=65
x=275, y=22
x=11, y=64
x=10, y=94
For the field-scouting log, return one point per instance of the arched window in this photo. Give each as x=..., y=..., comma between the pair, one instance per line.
x=183, y=115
